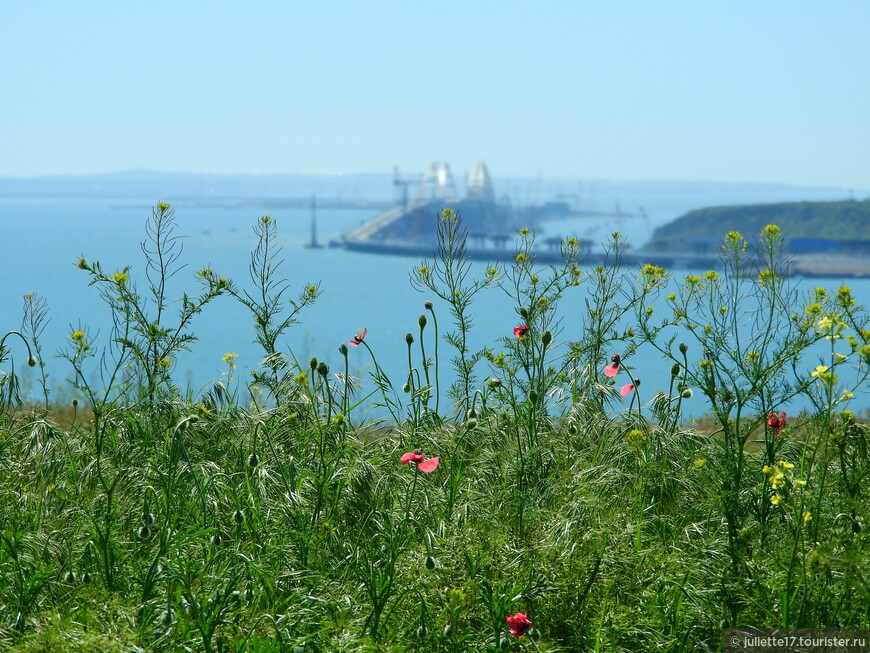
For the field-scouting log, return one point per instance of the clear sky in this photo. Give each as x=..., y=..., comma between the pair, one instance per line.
x=766, y=91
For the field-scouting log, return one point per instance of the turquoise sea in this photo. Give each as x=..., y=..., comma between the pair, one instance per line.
x=43, y=238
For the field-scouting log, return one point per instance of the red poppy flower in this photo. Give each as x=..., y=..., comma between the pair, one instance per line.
x=521, y=330
x=518, y=623
x=358, y=338
x=612, y=369
x=411, y=457
x=423, y=465
x=624, y=390
x=428, y=465
x=776, y=422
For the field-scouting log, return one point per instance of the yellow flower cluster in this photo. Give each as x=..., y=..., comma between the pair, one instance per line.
x=779, y=476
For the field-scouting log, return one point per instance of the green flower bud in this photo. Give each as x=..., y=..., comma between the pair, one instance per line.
x=675, y=369
x=144, y=533
x=683, y=347
x=422, y=321
x=547, y=338
x=239, y=517
x=312, y=363
x=430, y=562
x=409, y=338
x=342, y=349
x=253, y=460
x=322, y=369
x=427, y=305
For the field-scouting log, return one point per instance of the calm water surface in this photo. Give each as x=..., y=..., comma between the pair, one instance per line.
x=42, y=240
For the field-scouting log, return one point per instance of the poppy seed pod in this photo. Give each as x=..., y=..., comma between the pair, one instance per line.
x=547, y=338
x=422, y=321
x=409, y=338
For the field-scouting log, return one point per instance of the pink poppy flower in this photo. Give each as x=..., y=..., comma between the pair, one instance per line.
x=411, y=456
x=612, y=369
x=518, y=623
x=428, y=465
x=624, y=390
x=358, y=338
x=521, y=330
x=423, y=465
x=776, y=422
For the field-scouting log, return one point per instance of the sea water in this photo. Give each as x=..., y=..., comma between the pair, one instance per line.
x=42, y=239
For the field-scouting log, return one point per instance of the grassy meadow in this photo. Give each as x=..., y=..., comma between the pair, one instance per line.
x=530, y=496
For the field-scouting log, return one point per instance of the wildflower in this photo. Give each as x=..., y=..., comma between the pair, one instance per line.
x=521, y=330
x=358, y=338
x=78, y=336
x=518, y=623
x=120, y=278
x=819, y=372
x=776, y=499
x=612, y=369
x=628, y=387
x=495, y=383
x=423, y=465
x=776, y=422
x=700, y=463
x=229, y=358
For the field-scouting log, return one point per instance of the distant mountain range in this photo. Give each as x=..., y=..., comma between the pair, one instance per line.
x=659, y=198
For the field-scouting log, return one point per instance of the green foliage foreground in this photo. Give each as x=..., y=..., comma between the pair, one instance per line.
x=280, y=520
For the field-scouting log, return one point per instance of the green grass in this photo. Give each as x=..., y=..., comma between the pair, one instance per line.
x=272, y=518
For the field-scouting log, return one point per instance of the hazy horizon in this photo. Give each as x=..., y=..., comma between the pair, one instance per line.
x=748, y=93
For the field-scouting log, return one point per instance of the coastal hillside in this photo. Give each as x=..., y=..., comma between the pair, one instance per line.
x=809, y=227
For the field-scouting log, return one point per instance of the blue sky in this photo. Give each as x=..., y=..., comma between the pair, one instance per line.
x=773, y=91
